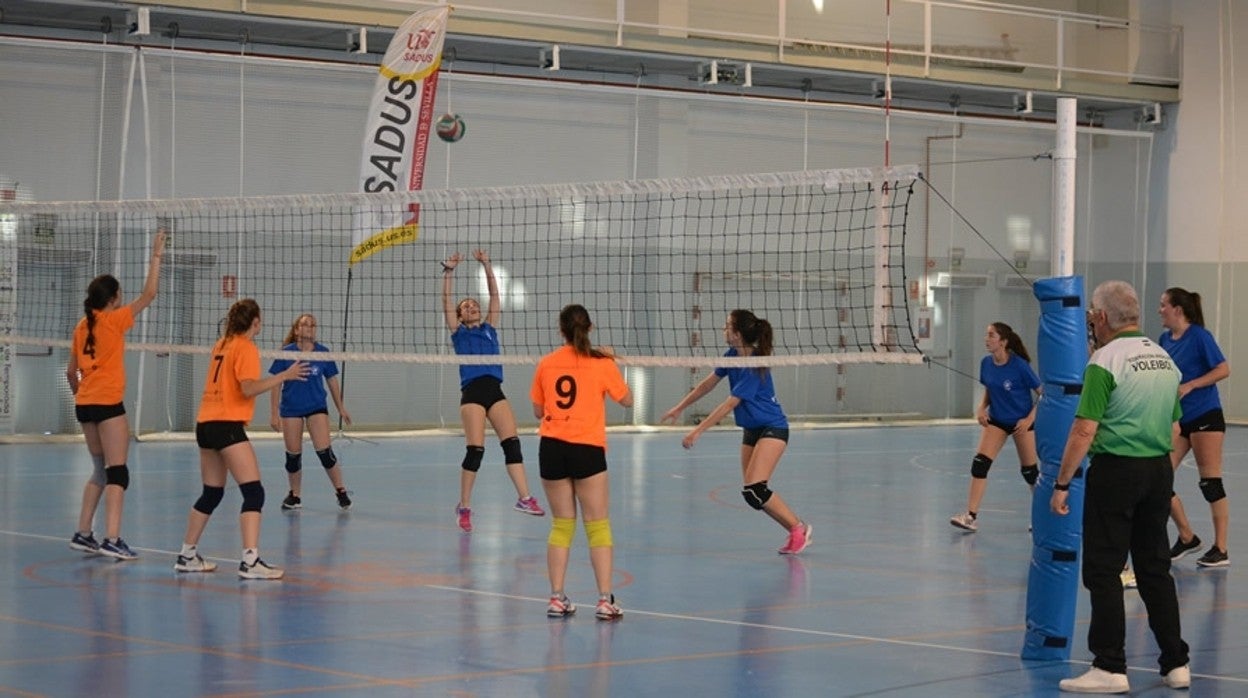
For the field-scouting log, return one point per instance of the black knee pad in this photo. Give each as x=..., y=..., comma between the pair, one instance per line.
x=756, y=495
x=253, y=496
x=1212, y=489
x=1031, y=473
x=294, y=462
x=980, y=465
x=511, y=450
x=472, y=458
x=328, y=459
x=120, y=475
x=208, y=501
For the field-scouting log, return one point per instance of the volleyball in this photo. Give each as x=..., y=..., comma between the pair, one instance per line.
x=450, y=127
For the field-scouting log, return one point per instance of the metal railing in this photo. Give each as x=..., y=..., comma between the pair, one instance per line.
x=922, y=36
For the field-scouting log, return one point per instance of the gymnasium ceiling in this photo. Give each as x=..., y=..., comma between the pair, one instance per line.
x=508, y=50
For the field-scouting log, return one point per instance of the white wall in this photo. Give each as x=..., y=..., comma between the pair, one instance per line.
x=1198, y=206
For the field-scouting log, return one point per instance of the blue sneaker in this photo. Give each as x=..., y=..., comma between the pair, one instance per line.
x=87, y=543
x=117, y=549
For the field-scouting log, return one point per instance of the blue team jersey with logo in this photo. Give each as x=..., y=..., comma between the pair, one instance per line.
x=481, y=340
x=1009, y=387
x=757, y=393
x=1195, y=354
x=301, y=398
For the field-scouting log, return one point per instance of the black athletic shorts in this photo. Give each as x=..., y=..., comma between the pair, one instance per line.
x=484, y=391
x=94, y=414
x=559, y=460
x=323, y=410
x=749, y=437
x=1008, y=427
x=1213, y=420
x=217, y=436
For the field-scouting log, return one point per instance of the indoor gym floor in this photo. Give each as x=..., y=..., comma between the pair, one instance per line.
x=390, y=599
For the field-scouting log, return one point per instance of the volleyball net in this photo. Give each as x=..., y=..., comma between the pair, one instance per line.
x=658, y=263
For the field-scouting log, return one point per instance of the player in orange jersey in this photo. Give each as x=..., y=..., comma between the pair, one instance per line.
x=97, y=378
x=568, y=393
x=229, y=401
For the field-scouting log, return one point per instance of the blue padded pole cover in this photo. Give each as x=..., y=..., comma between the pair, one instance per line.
x=1053, y=581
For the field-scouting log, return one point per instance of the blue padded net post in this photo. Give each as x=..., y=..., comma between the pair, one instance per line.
x=1053, y=581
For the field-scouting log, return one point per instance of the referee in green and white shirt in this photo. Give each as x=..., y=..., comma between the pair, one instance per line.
x=1129, y=403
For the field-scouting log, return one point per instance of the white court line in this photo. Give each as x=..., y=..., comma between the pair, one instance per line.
x=817, y=633
x=64, y=540
x=699, y=619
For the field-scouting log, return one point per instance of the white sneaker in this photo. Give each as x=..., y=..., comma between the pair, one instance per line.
x=1179, y=677
x=1097, y=681
x=260, y=570
x=195, y=563
x=964, y=521
x=607, y=608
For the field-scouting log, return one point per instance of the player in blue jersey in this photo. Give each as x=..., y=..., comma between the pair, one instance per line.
x=296, y=403
x=481, y=391
x=1203, y=427
x=755, y=409
x=1006, y=410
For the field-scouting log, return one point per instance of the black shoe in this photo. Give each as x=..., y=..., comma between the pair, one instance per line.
x=1214, y=558
x=344, y=501
x=1179, y=549
x=292, y=502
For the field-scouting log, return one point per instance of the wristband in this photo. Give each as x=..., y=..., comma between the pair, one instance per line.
x=1060, y=487
x=446, y=267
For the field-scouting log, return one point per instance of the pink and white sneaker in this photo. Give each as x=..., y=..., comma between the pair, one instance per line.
x=607, y=608
x=799, y=538
x=560, y=606
x=529, y=505
x=464, y=516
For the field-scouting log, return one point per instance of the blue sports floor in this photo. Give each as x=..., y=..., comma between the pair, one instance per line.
x=391, y=599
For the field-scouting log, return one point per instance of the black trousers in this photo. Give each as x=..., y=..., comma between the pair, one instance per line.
x=1126, y=507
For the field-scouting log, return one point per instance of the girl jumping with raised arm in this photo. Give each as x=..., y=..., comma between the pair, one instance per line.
x=481, y=391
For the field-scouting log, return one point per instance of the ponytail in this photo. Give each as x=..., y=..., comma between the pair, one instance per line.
x=100, y=292
x=1013, y=342
x=1189, y=302
x=574, y=325
x=242, y=314
x=755, y=332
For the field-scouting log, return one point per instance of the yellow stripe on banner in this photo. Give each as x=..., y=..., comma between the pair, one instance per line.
x=386, y=238
x=414, y=77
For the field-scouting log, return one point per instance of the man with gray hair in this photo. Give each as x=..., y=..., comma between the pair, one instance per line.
x=1129, y=403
